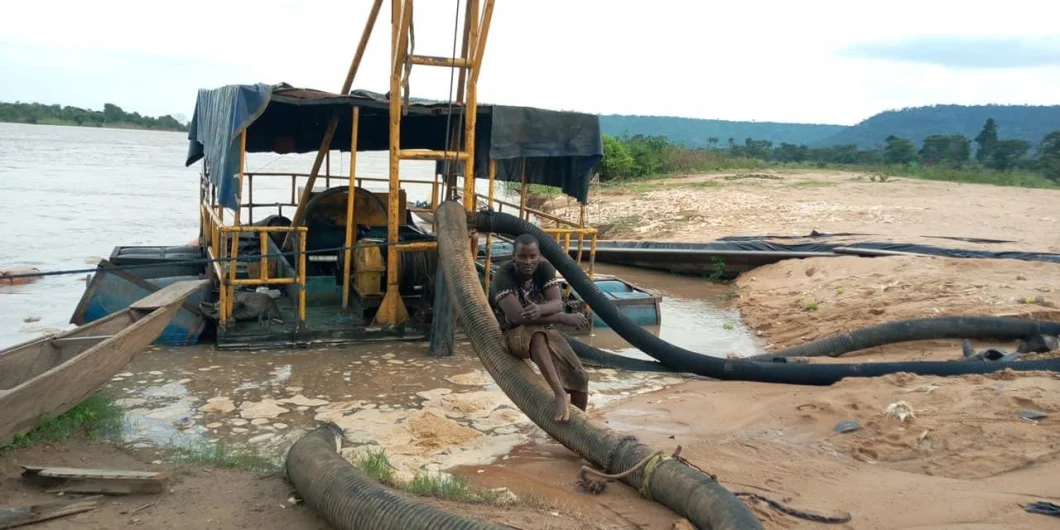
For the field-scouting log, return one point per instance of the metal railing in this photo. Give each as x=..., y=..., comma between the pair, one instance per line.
x=222, y=247
x=250, y=205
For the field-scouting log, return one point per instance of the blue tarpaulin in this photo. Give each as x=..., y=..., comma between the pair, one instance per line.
x=558, y=148
x=221, y=116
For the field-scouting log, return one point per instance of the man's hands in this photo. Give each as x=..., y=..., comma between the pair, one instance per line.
x=575, y=320
x=531, y=312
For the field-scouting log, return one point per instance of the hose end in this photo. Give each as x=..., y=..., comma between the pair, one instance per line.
x=332, y=430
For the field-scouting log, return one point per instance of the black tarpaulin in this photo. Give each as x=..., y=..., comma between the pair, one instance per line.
x=558, y=148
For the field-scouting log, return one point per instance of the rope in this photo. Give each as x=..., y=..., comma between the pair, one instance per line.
x=649, y=471
x=651, y=462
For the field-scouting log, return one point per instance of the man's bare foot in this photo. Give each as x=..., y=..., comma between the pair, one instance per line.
x=562, y=414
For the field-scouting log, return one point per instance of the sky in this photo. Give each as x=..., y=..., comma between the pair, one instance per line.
x=811, y=61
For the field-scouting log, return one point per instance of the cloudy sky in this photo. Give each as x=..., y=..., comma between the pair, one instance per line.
x=817, y=61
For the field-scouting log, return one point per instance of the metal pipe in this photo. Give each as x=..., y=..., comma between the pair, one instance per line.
x=263, y=274
x=351, y=224
x=333, y=123
x=480, y=48
x=301, y=278
x=522, y=192
x=392, y=310
x=489, y=235
x=250, y=198
x=226, y=310
x=471, y=111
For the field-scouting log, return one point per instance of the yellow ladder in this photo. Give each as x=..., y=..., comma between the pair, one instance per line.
x=392, y=310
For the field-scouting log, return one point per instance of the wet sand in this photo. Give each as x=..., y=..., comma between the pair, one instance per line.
x=428, y=414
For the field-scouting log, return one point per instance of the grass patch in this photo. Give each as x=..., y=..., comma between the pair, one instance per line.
x=1021, y=179
x=225, y=456
x=703, y=184
x=813, y=184
x=96, y=418
x=625, y=224
x=446, y=487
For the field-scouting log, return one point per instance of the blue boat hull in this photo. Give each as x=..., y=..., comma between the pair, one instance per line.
x=642, y=307
x=112, y=289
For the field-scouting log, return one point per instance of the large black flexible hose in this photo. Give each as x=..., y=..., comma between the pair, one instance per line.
x=681, y=359
x=597, y=357
x=349, y=500
x=688, y=492
x=955, y=327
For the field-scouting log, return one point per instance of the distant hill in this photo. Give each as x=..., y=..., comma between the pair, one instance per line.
x=694, y=132
x=1022, y=122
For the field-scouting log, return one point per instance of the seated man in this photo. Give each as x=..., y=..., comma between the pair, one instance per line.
x=526, y=299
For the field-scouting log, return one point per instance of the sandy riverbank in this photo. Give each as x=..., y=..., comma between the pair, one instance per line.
x=706, y=207
x=965, y=458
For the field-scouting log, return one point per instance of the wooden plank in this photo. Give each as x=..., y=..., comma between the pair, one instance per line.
x=173, y=293
x=24, y=515
x=105, y=481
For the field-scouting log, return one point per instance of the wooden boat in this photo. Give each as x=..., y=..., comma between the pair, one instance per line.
x=50, y=375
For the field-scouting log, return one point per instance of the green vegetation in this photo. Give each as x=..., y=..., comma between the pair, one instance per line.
x=112, y=116
x=946, y=157
x=1018, y=122
x=217, y=454
x=376, y=466
x=97, y=418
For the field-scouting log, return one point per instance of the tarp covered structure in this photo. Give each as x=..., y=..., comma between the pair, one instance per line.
x=558, y=148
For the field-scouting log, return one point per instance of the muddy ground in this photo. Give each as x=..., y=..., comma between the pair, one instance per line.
x=930, y=453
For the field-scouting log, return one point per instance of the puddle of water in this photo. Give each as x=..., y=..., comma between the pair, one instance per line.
x=427, y=414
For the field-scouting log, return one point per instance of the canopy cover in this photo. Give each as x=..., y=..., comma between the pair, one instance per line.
x=557, y=149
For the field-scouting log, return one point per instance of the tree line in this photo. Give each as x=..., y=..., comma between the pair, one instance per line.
x=640, y=156
x=111, y=116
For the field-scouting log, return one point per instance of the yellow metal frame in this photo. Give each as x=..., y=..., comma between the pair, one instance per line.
x=222, y=245
x=222, y=240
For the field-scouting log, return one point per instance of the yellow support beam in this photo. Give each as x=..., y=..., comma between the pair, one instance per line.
x=351, y=225
x=429, y=60
x=259, y=281
x=392, y=310
x=333, y=123
x=426, y=154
